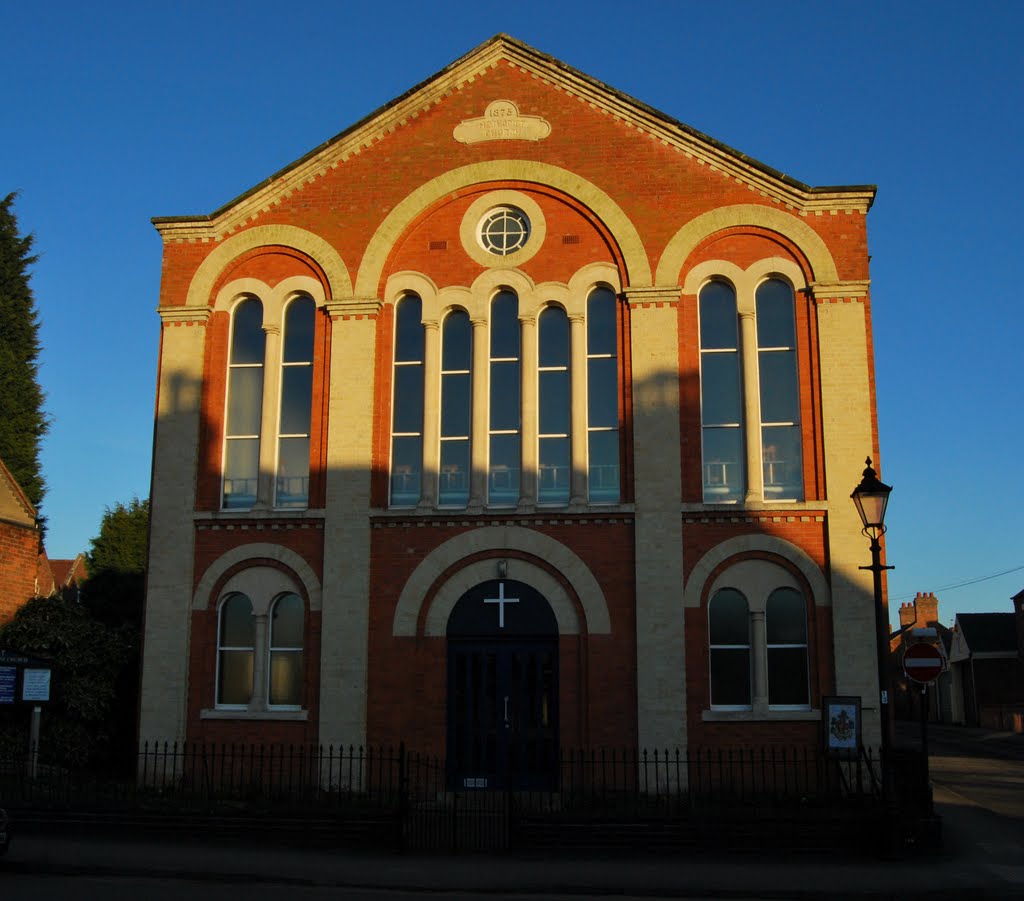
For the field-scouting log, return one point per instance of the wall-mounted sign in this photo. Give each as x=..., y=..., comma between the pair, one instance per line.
x=841, y=719
x=24, y=678
x=36, y=685
x=8, y=683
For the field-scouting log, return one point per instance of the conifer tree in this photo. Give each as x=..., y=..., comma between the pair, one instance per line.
x=22, y=419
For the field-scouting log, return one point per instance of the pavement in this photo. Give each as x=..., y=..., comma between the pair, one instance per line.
x=982, y=858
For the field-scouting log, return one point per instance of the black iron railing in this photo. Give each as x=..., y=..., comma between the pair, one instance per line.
x=407, y=799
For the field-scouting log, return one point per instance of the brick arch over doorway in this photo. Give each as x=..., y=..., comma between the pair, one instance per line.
x=596, y=620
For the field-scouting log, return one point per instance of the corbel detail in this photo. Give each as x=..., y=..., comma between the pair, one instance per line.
x=353, y=308
x=653, y=296
x=177, y=315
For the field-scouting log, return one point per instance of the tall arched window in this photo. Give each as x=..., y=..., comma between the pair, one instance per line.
x=786, y=630
x=554, y=404
x=292, y=485
x=602, y=397
x=407, y=406
x=456, y=409
x=236, y=644
x=244, y=406
x=780, y=392
x=504, y=424
x=720, y=395
x=285, y=669
x=729, y=640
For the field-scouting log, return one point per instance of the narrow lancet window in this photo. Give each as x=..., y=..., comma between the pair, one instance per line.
x=244, y=406
x=407, y=404
x=720, y=395
x=504, y=416
x=291, y=488
x=554, y=408
x=456, y=409
x=780, y=392
x=602, y=397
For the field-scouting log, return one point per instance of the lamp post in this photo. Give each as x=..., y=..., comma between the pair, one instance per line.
x=871, y=497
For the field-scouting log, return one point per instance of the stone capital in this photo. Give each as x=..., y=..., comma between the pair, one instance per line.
x=170, y=315
x=829, y=290
x=353, y=306
x=657, y=295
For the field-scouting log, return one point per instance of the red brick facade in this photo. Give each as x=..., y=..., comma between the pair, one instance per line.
x=627, y=200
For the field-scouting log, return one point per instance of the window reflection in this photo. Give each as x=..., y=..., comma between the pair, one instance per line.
x=720, y=394
x=456, y=410
x=407, y=404
x=782, y=454
x=242, y=426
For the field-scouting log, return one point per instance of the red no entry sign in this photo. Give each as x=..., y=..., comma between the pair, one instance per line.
x=922, y=662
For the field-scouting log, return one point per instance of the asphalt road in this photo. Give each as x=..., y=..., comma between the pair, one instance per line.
x=978, y=780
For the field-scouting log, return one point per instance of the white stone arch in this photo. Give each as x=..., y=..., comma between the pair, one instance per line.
x=316, y=248
x=449, y=593
x=744, y=282
x=488, y=283
x=405, y=212
x=585, y=279
x=433, y=567
x=261, y=585
x=254, y=552
x=821, y=594
x=696, y=230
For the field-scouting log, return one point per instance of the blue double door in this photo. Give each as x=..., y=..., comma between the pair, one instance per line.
x=502, y=690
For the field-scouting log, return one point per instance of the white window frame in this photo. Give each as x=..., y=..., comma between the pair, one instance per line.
x=275, y=300
x=475, y=301
x=756, y=580
x=745, y=283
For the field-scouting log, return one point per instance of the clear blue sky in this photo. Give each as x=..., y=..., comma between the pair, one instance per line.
x=114, y=112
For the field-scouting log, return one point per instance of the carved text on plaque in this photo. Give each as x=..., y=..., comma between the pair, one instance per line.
x=502, y=121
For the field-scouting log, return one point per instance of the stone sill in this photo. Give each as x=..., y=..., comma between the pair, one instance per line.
x=282, y=715
x=760, y=715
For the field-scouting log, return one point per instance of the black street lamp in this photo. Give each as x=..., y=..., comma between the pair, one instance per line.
x=871, y=497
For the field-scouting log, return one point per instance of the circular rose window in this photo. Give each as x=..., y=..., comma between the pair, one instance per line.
x=504, y=231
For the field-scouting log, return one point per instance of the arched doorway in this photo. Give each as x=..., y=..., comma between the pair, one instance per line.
x=502, y=688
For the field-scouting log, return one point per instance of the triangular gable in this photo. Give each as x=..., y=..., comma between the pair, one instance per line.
x=68, y=572
x=15, y=507
x=45, y=585
x=404, y=110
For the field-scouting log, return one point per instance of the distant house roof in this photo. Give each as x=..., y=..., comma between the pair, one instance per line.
x=988, y=633
x=15, y=507
x=69, y=572
x=45, y=584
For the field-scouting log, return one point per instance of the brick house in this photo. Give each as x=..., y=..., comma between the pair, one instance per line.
x=921, y=613
x=517, y=415
x=24, y=569
x=987, y=665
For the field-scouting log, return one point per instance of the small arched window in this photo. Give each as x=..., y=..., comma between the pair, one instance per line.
x=721, y=400
x=504, y=423
x=286, y=643
x=292, y=484
x=602, y=397
x=456, y=409
x=786, y=629
x=236, y=645
x=780, y=392
x=554, y=408
x=729, y=640
x=244, y=406
x=407, y=405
